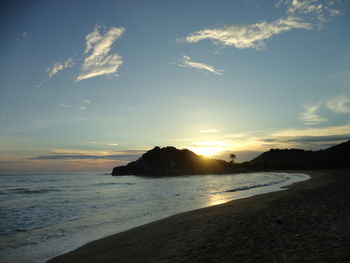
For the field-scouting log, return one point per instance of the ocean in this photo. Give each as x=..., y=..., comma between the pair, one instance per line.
x=44, y=215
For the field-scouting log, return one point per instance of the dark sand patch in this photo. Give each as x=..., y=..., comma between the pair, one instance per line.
x=310, y=222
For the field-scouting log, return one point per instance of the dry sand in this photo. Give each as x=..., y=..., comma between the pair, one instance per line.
x=310, y=222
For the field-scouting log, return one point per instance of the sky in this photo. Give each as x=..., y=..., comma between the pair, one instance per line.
x=89, y=85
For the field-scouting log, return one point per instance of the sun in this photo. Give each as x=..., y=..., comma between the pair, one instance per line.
x=208, y=151
x=209, y=148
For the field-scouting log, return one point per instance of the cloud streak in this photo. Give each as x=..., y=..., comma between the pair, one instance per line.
x=299, y=14
x=310, y=139
x=248, y=36
x=187, y=63
x=301, y=6
x=76, y=106
x=310, y=115
x=126, y=157
x=339, y=105
x=321, y=9
x=324, y=131
x=66, y=106
x=57, y=67
x=99, y=61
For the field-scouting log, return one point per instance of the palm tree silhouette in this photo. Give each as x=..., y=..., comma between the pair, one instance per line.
x=233, y=158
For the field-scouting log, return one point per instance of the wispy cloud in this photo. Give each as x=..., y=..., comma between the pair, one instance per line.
x=82, y=156
x=99, y=62
x=187, y=63
x=76, y=106
x=40, y=83
x=128, y=155
x=322, y=10
x=66, y=106
x=310, y=139
x=248, y=36
x=310, y=115
x=82, y=107
x=317, y=11
x=105, y=143
x=299, y=14
x=87, y=101
x=339, y=105
x=57, y=66
x=334, y=12
x=24, y=34
x=324, y=131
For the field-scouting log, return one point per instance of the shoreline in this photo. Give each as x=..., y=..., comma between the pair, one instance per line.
x=222, y=232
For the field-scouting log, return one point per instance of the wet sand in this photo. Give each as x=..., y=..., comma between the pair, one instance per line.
x=310, y=222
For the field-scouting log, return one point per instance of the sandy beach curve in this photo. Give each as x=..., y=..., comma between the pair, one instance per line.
x=307, y=223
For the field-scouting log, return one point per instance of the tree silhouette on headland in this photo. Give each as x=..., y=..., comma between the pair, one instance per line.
x=232, y=158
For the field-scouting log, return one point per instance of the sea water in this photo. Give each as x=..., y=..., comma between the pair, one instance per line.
x=43, y=215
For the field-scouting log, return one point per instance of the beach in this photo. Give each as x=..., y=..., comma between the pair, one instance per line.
x=309, y=222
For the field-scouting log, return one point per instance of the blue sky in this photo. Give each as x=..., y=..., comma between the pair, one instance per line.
x=93, y=84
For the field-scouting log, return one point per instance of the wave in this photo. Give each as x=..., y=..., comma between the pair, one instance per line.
x=102, y=184
x=32, y=191
x=248, y=187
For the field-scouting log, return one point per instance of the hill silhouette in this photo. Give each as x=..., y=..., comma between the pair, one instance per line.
x=337, y=156
x=171, y=161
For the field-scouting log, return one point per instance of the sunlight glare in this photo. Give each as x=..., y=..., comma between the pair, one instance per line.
x=208, y=148
x=206, y=151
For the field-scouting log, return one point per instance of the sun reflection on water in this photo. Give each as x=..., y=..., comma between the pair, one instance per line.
x=215, y=200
